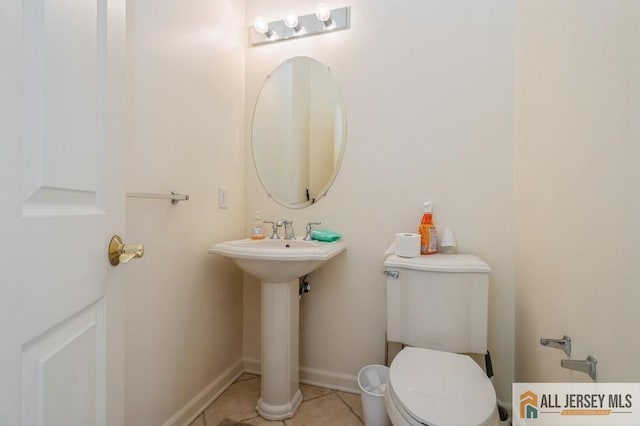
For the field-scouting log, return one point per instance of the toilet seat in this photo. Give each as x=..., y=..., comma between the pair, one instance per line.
x=436, y=388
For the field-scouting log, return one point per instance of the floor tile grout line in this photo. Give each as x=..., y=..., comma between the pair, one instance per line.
x=255, y=377
x=251, y=377
x=349, y=407
x=317, y=396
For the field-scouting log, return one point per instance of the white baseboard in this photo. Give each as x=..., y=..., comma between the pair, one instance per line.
x=193, y=408
x=329, y=379
x=314, y=376
x=253, y=366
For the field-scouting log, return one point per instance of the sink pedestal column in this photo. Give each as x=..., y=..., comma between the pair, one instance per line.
x=281, y=395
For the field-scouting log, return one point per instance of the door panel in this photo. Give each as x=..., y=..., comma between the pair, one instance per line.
x=61, y=130
x=63, y=77
x=76, y=345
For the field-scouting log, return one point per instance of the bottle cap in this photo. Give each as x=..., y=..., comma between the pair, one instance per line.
x=428, y=206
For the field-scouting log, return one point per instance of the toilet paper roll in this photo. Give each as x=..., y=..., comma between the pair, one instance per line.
x=407, y=245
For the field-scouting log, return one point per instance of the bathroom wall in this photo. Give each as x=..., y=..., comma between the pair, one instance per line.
x=184, y=306
x=428, y=88
x=576, y=163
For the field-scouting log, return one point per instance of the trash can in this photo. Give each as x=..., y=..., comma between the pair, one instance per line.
x=372, y=380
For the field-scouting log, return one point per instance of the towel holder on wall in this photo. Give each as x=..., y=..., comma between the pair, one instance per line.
x=563, y=343
x=589, y=365
x=174, y=196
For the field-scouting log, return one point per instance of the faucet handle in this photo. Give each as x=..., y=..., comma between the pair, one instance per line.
x=274, y=229
x=308, y=229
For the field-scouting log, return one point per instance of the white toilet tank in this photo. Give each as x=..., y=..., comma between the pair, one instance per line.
x=438, y=301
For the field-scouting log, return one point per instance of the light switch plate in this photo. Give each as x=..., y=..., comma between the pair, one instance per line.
x=223, y=197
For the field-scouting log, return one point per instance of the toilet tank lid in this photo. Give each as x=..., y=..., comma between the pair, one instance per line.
x=440, y=263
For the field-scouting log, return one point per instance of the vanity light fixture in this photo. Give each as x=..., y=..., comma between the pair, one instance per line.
x=323, y=20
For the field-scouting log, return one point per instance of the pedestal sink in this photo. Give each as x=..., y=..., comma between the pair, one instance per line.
x=279, y=264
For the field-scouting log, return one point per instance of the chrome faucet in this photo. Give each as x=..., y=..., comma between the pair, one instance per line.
x=289, y=234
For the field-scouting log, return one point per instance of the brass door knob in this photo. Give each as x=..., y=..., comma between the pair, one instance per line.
x=123, y=253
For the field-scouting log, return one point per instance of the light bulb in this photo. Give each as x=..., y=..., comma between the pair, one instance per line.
x=323, y=12
x=261, y=25
x=291, y=21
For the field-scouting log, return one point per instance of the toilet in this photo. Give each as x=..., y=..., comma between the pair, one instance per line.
x=437, y=305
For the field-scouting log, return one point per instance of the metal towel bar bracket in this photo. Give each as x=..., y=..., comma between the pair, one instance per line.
x=589, y=365
x=563, y=343
x=174, y=196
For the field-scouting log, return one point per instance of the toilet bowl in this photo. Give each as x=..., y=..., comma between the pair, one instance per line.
x=436, y=388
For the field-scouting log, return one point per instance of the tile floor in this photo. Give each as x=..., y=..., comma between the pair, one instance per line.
x=319, y=406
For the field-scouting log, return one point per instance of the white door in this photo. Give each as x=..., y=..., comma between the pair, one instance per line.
x=61, y=199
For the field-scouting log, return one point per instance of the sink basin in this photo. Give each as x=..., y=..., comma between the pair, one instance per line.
x=278, y=260
x=279, y=264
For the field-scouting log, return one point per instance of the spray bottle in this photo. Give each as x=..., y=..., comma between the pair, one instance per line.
x=427, y=231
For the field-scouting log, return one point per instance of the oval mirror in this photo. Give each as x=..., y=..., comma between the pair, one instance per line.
x=299, y=132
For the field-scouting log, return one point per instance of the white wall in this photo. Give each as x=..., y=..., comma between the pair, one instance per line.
x=184, y=310
x=428, y=88
x=577, y=152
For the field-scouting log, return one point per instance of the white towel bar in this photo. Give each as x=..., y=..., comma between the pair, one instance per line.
x=174, y=196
